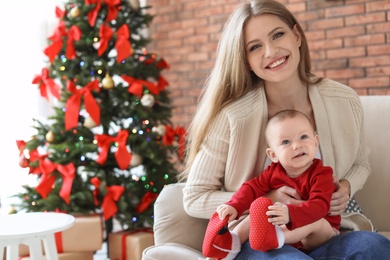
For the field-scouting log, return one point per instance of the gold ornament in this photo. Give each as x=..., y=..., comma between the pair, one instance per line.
x=136, y=160
x=75, y=12
x=50, y=136
x=147, y=100
x=108, y=82
x=134, y=4
x=89, y=123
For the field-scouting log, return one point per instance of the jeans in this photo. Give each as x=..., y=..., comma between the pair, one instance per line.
x=357, y=245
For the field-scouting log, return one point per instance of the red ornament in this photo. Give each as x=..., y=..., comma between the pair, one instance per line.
x=23, y=162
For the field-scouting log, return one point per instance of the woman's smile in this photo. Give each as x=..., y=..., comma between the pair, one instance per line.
x=277, y=63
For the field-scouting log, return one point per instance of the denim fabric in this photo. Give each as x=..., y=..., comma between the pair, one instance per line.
x=357, y=245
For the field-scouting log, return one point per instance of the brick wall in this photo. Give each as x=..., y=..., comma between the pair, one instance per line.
x=349, y=42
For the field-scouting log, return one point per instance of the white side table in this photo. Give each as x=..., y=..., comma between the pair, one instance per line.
x=31, y=229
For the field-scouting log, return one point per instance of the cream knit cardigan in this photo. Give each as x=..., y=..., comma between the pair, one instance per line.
x=234, y=149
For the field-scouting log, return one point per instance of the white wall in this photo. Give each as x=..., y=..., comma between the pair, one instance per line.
x=25, y=26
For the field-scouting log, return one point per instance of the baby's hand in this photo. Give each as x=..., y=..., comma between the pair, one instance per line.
x=226, y=210
x=278, y=214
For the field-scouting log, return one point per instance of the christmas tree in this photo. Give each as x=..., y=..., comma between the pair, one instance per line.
x=109, y=145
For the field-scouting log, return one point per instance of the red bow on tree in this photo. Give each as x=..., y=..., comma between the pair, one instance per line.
x=59, y=12
x=109, y=202
x=34, y=155
x=122, y=155
x=136, y=86
x=56, y=45
x=105, y=34
x=146, y=200
x=96, y=183
x=74, y=34
x=112, y=10
x=122, y=45
x=161, y=64
x=170, y=135
x=74, y=102
x=162, y=83
x=46, y=168
x=45, y=83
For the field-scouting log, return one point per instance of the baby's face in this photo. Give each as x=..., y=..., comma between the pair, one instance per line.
x=294, y=144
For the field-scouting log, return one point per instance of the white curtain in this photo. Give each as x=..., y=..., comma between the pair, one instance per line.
x=25, y=26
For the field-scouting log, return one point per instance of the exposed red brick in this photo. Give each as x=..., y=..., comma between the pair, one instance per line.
x=349, y=41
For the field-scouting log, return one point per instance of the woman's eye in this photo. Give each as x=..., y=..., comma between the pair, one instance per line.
x=278, y=35
x=254, y=47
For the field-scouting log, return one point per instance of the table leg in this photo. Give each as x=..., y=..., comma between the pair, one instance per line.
x=35, y=247
x=50, y=247
x=2, y=250
x=12, y=252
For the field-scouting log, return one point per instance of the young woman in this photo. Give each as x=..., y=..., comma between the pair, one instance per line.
x=263, y=66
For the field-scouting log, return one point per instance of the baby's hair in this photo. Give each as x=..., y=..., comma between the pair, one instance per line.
x=281, y=116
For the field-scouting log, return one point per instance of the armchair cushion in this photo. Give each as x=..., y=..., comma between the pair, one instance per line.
x=187, y=232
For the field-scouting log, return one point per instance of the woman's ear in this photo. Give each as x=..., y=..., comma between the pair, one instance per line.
x=271, y=155
x=298, y=34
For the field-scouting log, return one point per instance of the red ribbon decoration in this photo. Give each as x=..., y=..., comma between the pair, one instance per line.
x=111, y=14
x=96, y=183
x=136, y=86
x=68, y=174
x=21, y=145
x=34, y=156
x=59, y=243
x=162, y=64
x=109, y=202
x=162, y=83
x=122, y=155
x=105, y=34
x=45, y=83
x=146, y=200
x=74, y=34
x=56, y=45
x=170, y=135
x=92, y=15
x=46, y=167
x=181, y=133
x=122, y=45
x=112, y=9
x=74, y=102
x=59, y=12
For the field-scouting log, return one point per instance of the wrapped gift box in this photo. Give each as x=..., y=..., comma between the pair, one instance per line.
x=86, y=235
x=128, y=245
x=69, y=256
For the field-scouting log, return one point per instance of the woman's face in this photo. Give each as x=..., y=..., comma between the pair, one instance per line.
x=272, y=48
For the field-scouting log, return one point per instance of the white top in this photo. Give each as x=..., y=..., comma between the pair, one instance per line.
x=23, y=225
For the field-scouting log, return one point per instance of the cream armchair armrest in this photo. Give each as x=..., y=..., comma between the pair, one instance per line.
x=176, y=234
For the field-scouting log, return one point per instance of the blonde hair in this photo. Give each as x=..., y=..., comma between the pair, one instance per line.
x=231, y=77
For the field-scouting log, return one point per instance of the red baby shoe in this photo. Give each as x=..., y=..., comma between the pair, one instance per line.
x=262, y=234
x=217, y=241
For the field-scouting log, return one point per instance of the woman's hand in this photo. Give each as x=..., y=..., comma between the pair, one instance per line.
x=340, y=198
x=285, y=195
